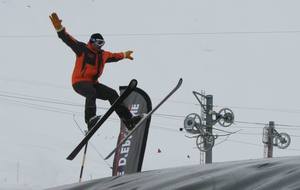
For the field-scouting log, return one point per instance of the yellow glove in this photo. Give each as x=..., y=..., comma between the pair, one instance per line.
x=56, y=22
x=127, y=54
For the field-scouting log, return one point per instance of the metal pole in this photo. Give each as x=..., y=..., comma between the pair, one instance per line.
x=265, y=140
x=83, y=160
x=203, y=99
x=209, y=124
x=270, y=139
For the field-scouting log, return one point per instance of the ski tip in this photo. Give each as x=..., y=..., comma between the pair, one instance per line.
x=180, y=81
x=133, y=83
x=108, y=156
x=70, y=157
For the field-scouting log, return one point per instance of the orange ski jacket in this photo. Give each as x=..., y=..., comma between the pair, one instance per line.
x=89, y=64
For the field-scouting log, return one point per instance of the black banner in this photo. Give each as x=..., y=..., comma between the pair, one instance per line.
x=129, y=157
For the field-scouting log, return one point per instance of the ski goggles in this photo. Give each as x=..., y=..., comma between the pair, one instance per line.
x=98, y=42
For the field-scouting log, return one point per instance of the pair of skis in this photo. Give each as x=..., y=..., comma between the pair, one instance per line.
x=132, y=85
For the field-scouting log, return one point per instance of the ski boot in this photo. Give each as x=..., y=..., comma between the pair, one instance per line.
x=93, y=121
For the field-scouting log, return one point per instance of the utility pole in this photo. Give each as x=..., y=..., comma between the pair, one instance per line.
x=209, y=124
x=268, y=139
x=203, y=114
x=202, y=126
x=272, y=138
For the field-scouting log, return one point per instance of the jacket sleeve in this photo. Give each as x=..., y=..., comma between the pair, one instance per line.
x=113, y=57
x=75, y=45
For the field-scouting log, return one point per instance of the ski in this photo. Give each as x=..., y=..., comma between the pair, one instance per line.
x=132, y=85
x=146, y=116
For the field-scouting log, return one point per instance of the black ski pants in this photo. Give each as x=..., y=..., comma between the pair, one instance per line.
x=92, y=91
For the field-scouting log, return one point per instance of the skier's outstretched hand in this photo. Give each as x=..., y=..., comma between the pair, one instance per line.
x=56, y=22
x=128, y=54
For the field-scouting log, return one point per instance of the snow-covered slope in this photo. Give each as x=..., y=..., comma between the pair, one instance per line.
x=275, y=173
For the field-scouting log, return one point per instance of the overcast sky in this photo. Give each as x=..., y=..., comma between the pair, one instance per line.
x=244, y=53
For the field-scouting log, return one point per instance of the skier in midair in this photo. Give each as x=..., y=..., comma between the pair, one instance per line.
x=89, y=65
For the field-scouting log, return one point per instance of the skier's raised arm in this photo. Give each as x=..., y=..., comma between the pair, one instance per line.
x=62, y=34
x=113, y=57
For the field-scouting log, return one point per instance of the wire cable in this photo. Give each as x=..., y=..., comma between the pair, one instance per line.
x=99, y=154
x=292, y=111
x=42, y=99
x=159, y=34
x=62, y=102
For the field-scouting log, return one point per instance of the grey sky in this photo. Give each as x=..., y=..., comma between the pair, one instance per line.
x=244, y=53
